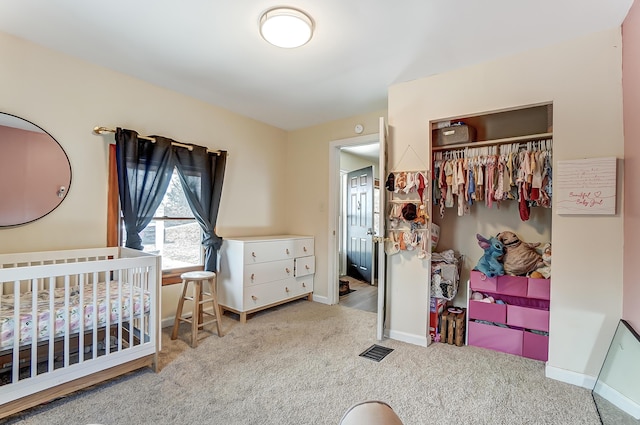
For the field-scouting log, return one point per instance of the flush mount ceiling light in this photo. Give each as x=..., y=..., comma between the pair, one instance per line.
x=286, y=27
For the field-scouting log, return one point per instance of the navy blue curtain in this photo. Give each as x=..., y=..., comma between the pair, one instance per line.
x=144, y=172
x=202, y=174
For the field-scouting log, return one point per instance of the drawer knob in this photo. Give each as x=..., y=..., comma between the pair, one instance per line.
x=287, y=251
x=253, y=276
x=253, y=297
x=307, y=267
x=287, y=270
x=286, y=288
x=304, y=248
x=253, y=254
x=304, y=285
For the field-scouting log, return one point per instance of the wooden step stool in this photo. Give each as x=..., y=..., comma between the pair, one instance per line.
x=452, y=327
x=198, y=299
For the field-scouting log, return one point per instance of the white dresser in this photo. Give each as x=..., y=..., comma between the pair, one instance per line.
x=259, y=272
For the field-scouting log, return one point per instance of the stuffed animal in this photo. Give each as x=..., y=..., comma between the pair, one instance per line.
x=544, y=272
x=520, y=257
x=489, y=263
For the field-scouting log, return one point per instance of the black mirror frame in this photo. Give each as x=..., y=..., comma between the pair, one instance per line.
x=9, y=226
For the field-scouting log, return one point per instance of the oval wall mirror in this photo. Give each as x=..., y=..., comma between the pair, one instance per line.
x=35, y=173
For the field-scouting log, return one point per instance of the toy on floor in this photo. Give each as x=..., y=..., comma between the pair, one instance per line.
x=520, y=257
x=544, y=272
x=489, y=263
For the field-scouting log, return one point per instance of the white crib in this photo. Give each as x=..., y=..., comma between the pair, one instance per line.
x=71, y=319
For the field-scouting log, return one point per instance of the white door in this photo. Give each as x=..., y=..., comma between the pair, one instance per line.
x=382, y=257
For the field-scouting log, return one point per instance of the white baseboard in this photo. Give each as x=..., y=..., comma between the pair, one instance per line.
x=408, y=338
x=570, y=377
x=617, y=399
x=321, y=300
x=167, y=322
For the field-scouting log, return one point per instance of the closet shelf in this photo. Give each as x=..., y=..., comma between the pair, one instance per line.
x=405, y=201
x=494, y=142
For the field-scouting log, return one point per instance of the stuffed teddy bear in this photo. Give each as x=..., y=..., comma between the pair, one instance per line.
x=544, y=272
x=489, y=263
x=520, y=257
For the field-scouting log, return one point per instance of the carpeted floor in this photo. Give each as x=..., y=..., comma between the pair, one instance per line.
x=300, y=364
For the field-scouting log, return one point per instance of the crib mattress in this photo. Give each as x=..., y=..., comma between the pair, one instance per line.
x=128, y=305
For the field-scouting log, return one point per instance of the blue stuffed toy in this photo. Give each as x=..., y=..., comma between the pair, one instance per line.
x=489, y=263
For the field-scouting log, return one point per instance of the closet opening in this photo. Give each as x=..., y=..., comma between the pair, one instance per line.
x=492, y=175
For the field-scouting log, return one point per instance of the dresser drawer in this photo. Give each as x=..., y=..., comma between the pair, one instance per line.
x=305, y=265
x=528, y=318
x=305, y=284
x=255, y=274
x=482, y=283
x=539, y=288
x=265, y=251
x=488, y=311
x=303, y=247
x=495, y=338
x=269, y=293
x=535, y=346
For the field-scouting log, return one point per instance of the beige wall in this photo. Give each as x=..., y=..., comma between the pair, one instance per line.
x=350, y=162
x=631, y=89
x=583, y=80
x=68, y=97
x=308, y=184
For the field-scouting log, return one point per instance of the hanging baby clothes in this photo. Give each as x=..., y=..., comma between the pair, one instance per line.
x=494, y=174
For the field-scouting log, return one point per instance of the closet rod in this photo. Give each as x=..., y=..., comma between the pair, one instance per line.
x=98, y=130
x=493, y=142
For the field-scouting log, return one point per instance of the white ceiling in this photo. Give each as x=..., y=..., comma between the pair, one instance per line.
x=212, y=50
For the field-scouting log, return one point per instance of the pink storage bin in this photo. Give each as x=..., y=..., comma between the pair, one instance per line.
x=482, y=283
x=529, y=318
x=512, y=285
x=495, y=338
x=535, y=346
x=539, y=288
x=489, y=312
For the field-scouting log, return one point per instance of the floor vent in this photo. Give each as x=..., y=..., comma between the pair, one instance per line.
x=376, y=352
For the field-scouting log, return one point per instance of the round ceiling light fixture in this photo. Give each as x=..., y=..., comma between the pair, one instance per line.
x=286, y=27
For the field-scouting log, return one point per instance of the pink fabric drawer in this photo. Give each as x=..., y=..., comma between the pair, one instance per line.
x=486, y=311
x=535, y=346
x=495, y=338
x=512, y=285
x=529, y=318
x=480, y=282
x=539, y=288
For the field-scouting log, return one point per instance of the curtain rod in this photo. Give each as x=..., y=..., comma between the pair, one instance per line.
x=98, y=130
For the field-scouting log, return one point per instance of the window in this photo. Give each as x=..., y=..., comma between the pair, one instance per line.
x=173, y=232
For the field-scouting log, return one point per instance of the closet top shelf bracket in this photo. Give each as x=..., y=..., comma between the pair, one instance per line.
x=493, y=142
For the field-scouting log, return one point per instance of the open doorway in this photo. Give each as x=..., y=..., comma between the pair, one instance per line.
x=358, y=218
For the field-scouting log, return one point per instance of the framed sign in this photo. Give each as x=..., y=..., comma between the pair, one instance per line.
x=585, y=186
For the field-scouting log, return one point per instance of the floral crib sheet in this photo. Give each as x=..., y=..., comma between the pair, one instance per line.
x=115, y=307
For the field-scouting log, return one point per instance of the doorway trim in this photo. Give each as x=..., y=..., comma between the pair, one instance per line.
x=334, y=207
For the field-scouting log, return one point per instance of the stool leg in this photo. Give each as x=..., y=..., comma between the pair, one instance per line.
x=176, y=323
x=197, y=289
x=200, y=309
x=216, y=307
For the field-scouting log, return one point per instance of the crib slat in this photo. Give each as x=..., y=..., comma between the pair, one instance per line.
x=52, y=324
x=81, y=283
x=15, y=367
x=35, y=324
x=67, y=317
x=96, y=313
x=120, y=310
